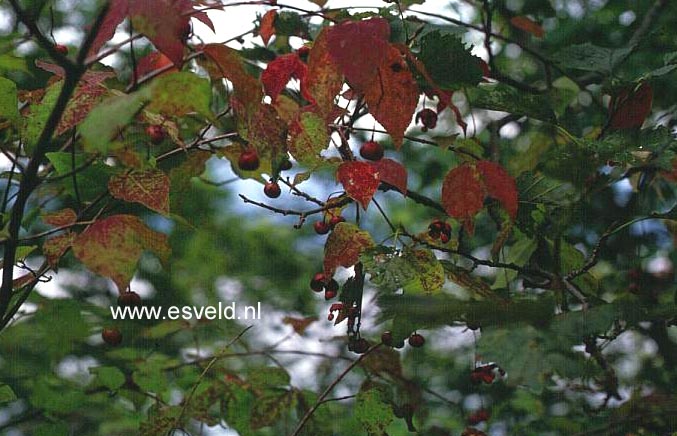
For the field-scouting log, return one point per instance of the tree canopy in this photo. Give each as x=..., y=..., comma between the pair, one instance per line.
x=453, y=220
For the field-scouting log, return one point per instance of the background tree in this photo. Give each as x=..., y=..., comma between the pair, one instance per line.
x=482, y=199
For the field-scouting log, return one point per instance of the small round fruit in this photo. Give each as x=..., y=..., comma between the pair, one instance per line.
x=329, y=294
x=111, y=336
x=332, y=285
x=387, y=338
x=335, y=220
x=371, y=150
x=130, y=298
x=416, y=340
x=360, y=346
x=321, y=228
x=156, y=133
x=249, y=160
x=60, y=48
x=317, y=283
x=272, y=189
x=428, y=118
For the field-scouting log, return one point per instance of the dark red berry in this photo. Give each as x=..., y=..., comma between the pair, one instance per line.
x=428, y=118
x=335, y=220
x=285, y=165
x=60, y=48
x=360, y=346
x=111, y=336
x=488, y=377
x=249, y=160
x=156, y=133
x=371, y=150
x=130, y=298
x=272, y=189
x=321, y=228
x=329, y=294
x=387, y=338
x=416, y=340
x=479, y=416
x=332, y=285
x=304, y=50
x=317, y=283
x=444, y=238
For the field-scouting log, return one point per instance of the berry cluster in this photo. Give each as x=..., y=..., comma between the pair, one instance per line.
x=441, y=230
x=320, y=283
x=323, y=227
x=479, y=416
x=415, y=340
x=428, y=118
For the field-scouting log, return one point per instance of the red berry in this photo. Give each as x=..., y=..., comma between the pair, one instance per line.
x=330, y=317
x=156, y=133
x=321, y=228
x=317, y=283
x=360, y=346
x=416, y=340
x=387, y=338
x=444, y=238
x=335, y=220
x=130, y=298
x=479, y=416
x=371, y=150
x=476, y=376
x=249, y=160
x=272, y=189
x=61, y=49
x=111, y=336
x=428, y=118
x=487, y=377
x=329, y=294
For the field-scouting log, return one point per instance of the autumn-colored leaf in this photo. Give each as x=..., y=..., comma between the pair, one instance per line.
x=60, y=218
x=286, y=108
x=112, y=247
x=280, y=71
x=360, y=180
x=528, y=25
x=192, y=166
x=308, y=136
x=299, y=324
x=344, y=246
x=359, y=48
x=150, y=188
x=323, y=81
x=261, y=126
x=630, y=107
x=117, y=11
x=393, y=96
x=229, y=65
x=392, y=173
x=499, y=185
x=181, y=93
x=462, y=193
x=55, y=247
x=163, y=24
x=154, y=61
x=267, y=28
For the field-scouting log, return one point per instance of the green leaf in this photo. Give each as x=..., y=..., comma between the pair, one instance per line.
x=9, y=104
x=109, y=376
x=308, y=137
x=109, y=118
x=270, y=407
x=165, y=328
x=179, y=94
x=416, y=271
x=35, y=122
x=505, y=98
x=268, y=377
x=590, y=57
x=519, y=254
x=448, y=61
x=7, y=395
x=372, y=409
x=150, y=375
x=91, y=181
x=55, y=396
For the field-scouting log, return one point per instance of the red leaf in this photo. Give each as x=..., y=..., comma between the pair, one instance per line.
x=359, y=179
x=359, y=48
x=60, y=218
x=323, y=81
x=344, y=246
x=392, y=173
x=499, y=185
x=163, y=23
x=117, y=11
x=630, y=107
x=150, y=188
x=392, y=96
x=462, y=193
x=280, y=71
x=267, y=28
x=247, y=89
x=55, y=247
x=528, y=25
x=112, y=247
x=152, y=62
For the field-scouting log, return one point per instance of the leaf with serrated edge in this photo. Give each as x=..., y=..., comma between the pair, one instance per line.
x=344, y=246
x=150, y=188
x=112, y=247
x=360, y=180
